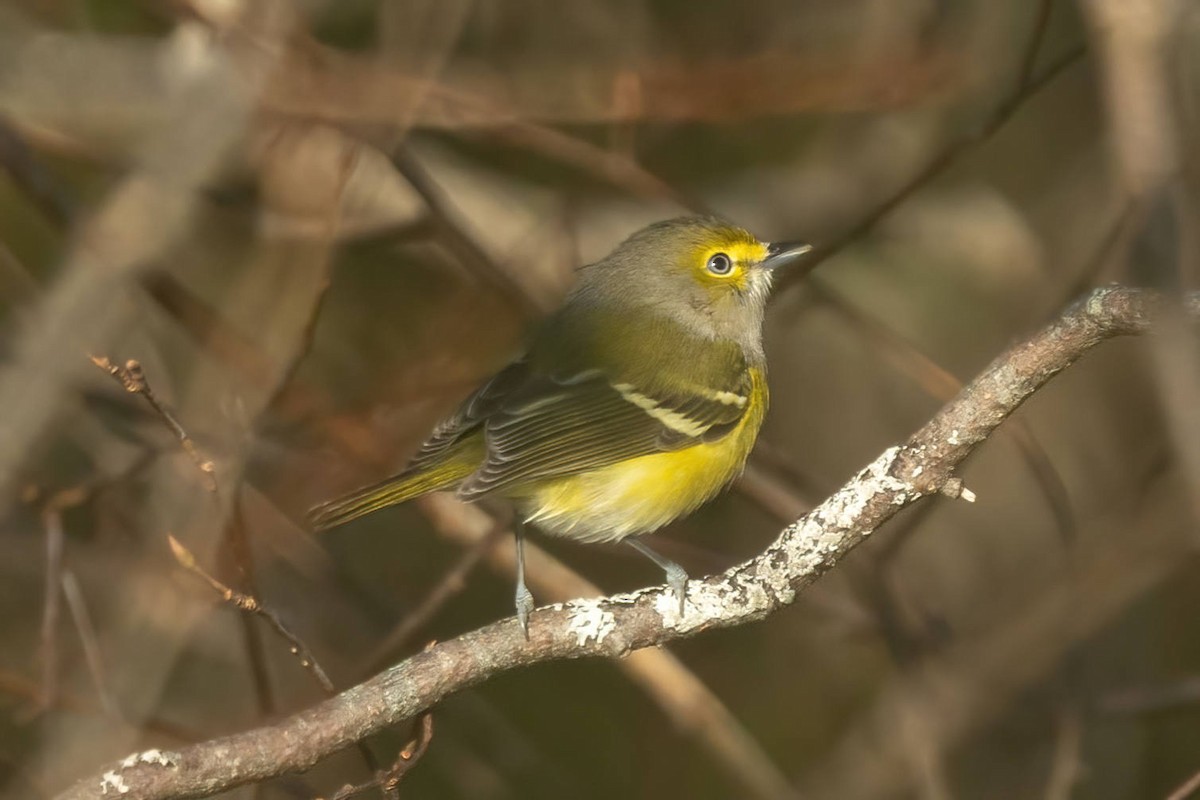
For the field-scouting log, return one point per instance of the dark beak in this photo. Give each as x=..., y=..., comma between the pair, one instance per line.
x=781, y=253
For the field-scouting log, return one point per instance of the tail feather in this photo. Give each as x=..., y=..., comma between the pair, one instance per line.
x=390, y=491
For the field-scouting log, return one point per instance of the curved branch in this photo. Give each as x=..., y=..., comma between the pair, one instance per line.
x=615, y=625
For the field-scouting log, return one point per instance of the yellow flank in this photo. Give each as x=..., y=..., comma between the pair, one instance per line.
x=643, y=494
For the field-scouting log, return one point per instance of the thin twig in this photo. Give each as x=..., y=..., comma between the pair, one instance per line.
x=91, y=644
x=353, y=790
x=409, y=756
x=134, y=380
x=236, y=543
x=1029, y=61
x=31, y=175
x=388, y=781
x=251, y=605
x=615, y=168
x=331, y=224
x=936, y=166
x=472, y=256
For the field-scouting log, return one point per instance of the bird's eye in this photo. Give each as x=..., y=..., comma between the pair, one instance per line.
x=719, y=264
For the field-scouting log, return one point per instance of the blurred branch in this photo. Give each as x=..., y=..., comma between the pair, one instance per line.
x=142, y=216
x=323, y=83
x=16, y=774
x=1132, y=40
x=1115, y=236
x=1029, y=60
x=31, y=175
x=17, y=286
x=1186, y=789
x=91, y=644
x=1152, y=699
x=1026, y=88
x=619, y=624
x=66, y=89
x=55, y=582
x=778, y=497
x=616, y=168
x=51, y=606
x=444, y=218
x=1067, y=763
x=18, y=686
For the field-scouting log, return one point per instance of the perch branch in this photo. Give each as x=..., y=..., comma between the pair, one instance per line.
x=690, y=705
x=619, y=624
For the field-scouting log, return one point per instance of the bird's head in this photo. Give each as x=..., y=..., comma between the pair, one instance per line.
x=705, y=272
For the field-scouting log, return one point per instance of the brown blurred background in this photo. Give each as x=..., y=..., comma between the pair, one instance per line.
x=317, y=225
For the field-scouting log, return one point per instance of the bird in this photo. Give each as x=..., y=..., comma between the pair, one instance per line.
x=633, y=404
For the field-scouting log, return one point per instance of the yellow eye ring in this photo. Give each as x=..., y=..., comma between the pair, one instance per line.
x=719, y=264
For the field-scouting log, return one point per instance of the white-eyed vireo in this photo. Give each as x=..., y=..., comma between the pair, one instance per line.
x=635, y=403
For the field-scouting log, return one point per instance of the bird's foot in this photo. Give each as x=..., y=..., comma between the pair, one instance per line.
x=524, y=608
x=677, y=579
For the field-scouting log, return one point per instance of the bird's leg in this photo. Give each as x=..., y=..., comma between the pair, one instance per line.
x=524, y=598
x=677, y=578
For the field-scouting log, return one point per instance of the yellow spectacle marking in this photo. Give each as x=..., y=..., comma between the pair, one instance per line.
x=742, y=249
x=742, y=252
